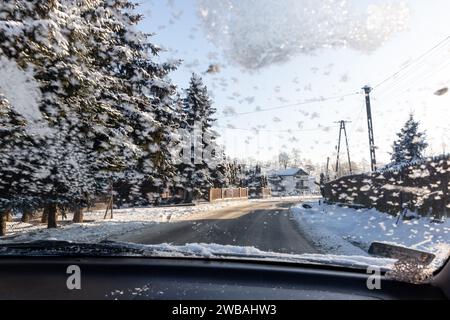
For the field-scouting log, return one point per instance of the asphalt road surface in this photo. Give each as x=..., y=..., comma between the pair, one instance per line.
x=265, y=225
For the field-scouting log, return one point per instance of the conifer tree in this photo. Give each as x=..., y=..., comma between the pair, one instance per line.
x=199, y=112
x=106, y=107
x=410, y=143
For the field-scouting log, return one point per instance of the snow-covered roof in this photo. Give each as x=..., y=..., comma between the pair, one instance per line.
x=290, y=172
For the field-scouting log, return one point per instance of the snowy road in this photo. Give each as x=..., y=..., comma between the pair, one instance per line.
x=265, y=225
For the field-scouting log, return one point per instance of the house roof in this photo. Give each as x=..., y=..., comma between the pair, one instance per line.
x=290, y=172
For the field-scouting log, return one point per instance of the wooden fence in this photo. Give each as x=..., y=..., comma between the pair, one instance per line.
x=421, y=186
x=265, y=193
x=217, y=194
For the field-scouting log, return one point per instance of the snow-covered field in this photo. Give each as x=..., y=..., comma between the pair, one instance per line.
x=346, y=231
x=97, y=229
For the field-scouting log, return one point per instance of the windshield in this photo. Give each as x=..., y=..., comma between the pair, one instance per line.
x=298, y=131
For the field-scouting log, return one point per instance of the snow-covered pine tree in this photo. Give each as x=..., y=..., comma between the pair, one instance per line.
x=410, y=143
x=179, y=145
x=254, y=180
x=78, y=128
x=197, y=175
x=219, y=174
x=235, y=173
x=13, y=172
x=143, y=92
x=100, y=106
x=33, y=43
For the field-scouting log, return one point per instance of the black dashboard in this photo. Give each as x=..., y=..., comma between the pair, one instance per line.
x=195, y=279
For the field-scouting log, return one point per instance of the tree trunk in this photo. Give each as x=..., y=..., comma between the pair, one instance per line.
x=26, y=216
x=3, y=218
x=50, y=211
x=63, y=213
x=107, y=208
x=44, y=218
x=78, y=215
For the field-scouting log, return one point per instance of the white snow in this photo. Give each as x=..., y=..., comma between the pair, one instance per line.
x=97, y=229
x=132, y=220
x=343, y=235
x=346, y=231
x=21, y=90
x=212, y=250
x=258, y=33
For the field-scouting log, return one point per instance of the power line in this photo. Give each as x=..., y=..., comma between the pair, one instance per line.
x=317, y=100
x=414, y=76
x=441, y=43
x=357, y=120
x=411, y=84
x=413, y=62
x=278, y=131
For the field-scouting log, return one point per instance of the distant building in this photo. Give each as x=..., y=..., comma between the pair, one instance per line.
x=291, y=182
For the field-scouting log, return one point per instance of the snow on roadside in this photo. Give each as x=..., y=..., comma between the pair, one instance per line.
x=214, y=250
x=341, y=230
x=97, y=229
x=125, y=221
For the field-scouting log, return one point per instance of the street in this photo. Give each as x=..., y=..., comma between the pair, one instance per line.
x=265, y=225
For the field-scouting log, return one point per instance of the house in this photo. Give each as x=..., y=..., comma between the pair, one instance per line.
x=291, y=181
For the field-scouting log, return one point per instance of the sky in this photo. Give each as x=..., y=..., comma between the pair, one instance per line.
x=193, y=31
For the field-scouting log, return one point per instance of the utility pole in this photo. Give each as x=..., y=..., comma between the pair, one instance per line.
x=343, y=129
x=327, y=177
x=373, y=160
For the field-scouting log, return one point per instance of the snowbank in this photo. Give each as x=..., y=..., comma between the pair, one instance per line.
x=341, y=230
x=214, y=250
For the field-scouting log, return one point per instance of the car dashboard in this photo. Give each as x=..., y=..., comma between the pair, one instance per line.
x=195, y=279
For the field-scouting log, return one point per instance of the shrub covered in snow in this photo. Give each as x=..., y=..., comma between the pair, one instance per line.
x=420, y=186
